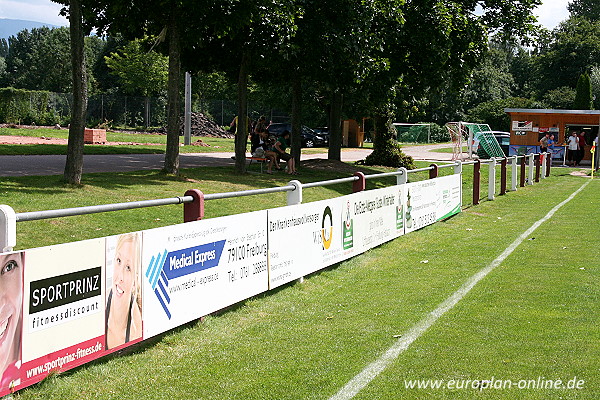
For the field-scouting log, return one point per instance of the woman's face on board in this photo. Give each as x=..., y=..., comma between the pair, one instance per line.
x=11, y=293
x=124, y=271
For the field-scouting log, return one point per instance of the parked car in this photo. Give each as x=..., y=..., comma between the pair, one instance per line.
x=503, y=139
x=309, y=138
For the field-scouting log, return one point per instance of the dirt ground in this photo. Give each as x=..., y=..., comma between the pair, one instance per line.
x=48, y=140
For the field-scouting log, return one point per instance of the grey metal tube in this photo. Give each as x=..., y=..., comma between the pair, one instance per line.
x=330, y=182
x=68, y=212
x=216, y=196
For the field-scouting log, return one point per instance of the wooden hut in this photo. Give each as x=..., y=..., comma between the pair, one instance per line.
x=528, y=126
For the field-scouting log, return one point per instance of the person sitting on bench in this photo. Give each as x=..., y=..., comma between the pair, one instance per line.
x=279, y=148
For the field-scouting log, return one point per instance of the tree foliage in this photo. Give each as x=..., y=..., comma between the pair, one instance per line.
x=589, y=9
x=583, y=93
x=140, y=72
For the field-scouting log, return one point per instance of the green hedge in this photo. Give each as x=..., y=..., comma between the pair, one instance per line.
x=29, y=107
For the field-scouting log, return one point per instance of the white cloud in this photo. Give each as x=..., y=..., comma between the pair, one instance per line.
x=552, y=12
x=33, y=10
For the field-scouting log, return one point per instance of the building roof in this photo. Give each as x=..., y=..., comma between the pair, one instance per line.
x=550, y=111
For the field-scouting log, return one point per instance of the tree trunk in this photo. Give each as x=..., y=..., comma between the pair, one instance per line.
x=296, y=117
x=386, y=150
x=335, y=126
x=74, y=163
x=241, y=133
x=172, y=151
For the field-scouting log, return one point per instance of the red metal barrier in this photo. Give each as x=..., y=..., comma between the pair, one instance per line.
x=476, y=181
x=194, y=211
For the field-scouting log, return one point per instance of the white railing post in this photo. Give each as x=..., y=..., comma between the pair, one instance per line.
x=531, y=169
x=8, y=228
x=294, y=196
x=402, y=178
x=458, y=167
x=513, y=173
x=492, y=179
x=543, y=163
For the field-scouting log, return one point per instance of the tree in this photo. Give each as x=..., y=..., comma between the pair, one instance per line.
x=140, y=72
x=575, y=46
x=561, y=98
x=74, y=162
x=589, y=9
x=583, y=93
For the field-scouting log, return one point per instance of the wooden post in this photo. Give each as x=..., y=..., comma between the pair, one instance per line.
x=434, y=171
x=360, y=184
x=194, y=211
x=523, y=172
x=476, y=181
x=503, y=176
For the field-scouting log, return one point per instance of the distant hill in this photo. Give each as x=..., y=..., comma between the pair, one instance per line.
x=10, y=27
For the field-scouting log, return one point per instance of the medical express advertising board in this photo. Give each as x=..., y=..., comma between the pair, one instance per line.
x=193, y=269
x=63, y=307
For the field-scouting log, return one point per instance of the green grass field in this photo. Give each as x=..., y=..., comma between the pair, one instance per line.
x=152, y=143
x=535, y=315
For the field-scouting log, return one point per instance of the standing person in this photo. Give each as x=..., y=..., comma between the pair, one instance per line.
x=123, y=308
x=573, y=147
x=11, y=317
x=282, y=143
x=582, y=144
x=259, y=135
x=544, y=143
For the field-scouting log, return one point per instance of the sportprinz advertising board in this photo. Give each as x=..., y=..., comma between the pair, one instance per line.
x=194, y=269
x=63, y=307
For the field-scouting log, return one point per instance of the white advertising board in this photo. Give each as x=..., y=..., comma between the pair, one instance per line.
x=421, y=205
x=304, y=238
x=432, y=200
x=196, y=268
x=449, y=189
x=373, y=217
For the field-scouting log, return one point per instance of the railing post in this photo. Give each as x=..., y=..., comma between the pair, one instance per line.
x=402, y=178
x=360, y=184
x=531, y=166
x=194, y=211
x=294, y=196
x=503, y=163
x=548, y=164
x=543, y=158
x=492, y=179
x=458, y=167
x=8, y=228
x=523, y=172
x=514, y=173
x=476, y=181
x=433, y=172
x=537, y=159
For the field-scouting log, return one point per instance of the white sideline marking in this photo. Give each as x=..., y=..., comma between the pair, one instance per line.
x=375, y=368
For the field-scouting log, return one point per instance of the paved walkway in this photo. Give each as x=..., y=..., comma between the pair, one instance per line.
x=55, y=164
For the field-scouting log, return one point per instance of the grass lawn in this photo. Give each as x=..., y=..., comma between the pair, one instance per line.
x=535, y=315
x=156, y=143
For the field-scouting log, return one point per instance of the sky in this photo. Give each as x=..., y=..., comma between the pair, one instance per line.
x=550, y=13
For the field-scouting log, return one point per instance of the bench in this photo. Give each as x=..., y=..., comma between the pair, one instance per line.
x=260, y=160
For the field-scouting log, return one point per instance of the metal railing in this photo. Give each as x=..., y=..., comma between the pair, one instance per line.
x=193, y=200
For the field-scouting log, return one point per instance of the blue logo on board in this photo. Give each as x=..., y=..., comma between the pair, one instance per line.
x=170, y=265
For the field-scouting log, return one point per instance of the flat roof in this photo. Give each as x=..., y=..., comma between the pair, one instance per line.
x=550, y=111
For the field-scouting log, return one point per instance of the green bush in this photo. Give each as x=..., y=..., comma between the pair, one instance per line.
x=19, y=106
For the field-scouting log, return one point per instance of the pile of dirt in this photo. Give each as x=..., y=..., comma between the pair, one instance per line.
x=201, y=125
